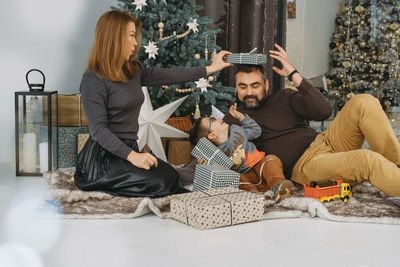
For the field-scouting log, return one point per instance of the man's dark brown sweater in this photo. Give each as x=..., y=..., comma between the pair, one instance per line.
x=284, y=122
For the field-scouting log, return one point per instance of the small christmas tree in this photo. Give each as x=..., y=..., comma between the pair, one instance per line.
x=365, y=47
x=173, y=34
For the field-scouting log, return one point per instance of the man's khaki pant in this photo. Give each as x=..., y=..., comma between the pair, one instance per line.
x=336, y=153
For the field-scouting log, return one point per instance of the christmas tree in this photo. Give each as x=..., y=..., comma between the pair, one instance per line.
x=365, y=47
x=173, y=34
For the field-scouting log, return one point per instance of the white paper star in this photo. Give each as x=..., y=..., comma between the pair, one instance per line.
x=193, y=25
x=139, y=4
x=151, y=49
x=203, y=84
x=152, y=125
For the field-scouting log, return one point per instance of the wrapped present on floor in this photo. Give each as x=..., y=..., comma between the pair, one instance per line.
x=177, y=150
x=217, y=208
x=70, y=111
x=214, y=176
x=247, y=58
x=67, y=145
x=82, y=139
x=178, y=209
x=207, y=151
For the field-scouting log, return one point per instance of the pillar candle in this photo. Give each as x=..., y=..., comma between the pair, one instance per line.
x=29, y=153
x=44, y=156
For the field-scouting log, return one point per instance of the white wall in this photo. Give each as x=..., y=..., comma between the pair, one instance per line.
x=309, y=35
x=52, y=35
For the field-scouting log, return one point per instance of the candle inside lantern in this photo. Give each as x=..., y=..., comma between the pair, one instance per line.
x=29, y=153
x=44, y=156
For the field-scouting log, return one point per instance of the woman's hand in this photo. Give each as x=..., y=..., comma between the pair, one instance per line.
x=235, y=113
x=142, y=160
x=287, y=66
x=218, y=62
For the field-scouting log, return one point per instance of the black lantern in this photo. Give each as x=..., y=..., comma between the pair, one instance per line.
x=35, y=87
x=36, y=132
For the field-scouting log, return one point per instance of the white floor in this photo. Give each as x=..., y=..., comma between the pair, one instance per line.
x=151, y=241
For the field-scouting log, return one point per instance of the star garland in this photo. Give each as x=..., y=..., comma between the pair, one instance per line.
x=193, y=25
x=202, y=84
x=151, y=49
x=139, y=4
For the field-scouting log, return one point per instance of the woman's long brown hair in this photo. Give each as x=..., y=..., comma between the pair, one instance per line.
x=108, y=57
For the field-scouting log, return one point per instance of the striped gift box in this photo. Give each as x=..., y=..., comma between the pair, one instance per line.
x=207, y=151
x=214, y=176
x=247, y=58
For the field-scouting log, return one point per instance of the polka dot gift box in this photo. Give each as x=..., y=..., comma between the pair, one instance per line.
x=217, y=208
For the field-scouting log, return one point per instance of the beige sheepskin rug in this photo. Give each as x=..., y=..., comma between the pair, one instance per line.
x=368, y=204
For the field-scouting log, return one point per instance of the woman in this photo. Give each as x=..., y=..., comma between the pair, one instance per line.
x=112, y=96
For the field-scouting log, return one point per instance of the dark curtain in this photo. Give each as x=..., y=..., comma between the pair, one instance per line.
x=247, y=24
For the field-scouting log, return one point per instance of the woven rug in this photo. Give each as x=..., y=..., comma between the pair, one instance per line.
x=368, y=204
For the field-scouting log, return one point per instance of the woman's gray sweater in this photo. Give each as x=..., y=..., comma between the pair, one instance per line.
x=112, y=108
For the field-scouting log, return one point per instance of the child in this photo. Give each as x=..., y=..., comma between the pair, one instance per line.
x=258, y=172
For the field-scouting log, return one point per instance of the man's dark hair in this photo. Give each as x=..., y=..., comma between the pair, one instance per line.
x=250, y=68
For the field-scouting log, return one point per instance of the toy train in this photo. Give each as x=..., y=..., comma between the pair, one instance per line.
x=327, y=192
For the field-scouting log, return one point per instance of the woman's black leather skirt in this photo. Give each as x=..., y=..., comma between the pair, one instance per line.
x=99, y=170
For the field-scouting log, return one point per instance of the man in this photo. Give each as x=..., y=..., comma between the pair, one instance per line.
x=305, y=154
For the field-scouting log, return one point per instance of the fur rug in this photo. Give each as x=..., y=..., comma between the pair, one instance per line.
x=368, y=204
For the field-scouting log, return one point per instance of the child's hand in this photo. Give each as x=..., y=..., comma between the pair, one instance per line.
x=201, y=161
x=236, y=114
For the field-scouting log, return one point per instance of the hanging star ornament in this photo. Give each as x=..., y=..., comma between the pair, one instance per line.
x=151, y=49
x=193, y=25
x=139, y=4
x=152, y=125
x=203, y=84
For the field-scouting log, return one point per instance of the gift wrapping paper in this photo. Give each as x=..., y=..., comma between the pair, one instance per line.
x=67, y=145
x=209, y=152
x=70, y=111
x=247, y=58
x=214, y=176
x=217, y=208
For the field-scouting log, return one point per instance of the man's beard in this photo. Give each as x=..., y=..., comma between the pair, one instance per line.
x=253, y=104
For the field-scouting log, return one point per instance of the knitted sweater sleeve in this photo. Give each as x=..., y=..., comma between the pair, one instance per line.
x=250, y=128
x=309, y=103
x=159, y=76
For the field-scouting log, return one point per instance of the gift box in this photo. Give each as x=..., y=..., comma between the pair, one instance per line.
x=214, y=176
x=177, y=150
x=247, y=58
x=82, y=139
x=67, y=145
x=178, y=205
x=70, y=111
x=217, y=208
x=211, y=154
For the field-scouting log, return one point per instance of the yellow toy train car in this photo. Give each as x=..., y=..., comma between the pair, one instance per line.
x=338, y=189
